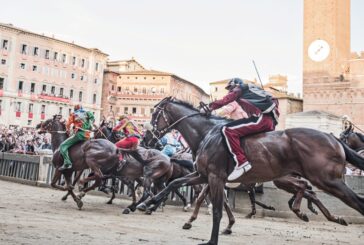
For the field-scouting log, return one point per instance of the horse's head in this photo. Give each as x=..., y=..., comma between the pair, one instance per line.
x=150, y=140
x=55, y=124
x=103, y=132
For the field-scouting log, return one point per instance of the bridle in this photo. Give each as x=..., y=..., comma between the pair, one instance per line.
x=162, y=113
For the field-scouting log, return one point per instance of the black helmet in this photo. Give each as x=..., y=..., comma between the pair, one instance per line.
x=233, y=83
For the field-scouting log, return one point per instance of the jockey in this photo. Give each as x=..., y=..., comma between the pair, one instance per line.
x=131, y=132
x=82, y=122
x=262, y=110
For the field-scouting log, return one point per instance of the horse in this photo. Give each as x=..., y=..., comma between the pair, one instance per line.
x=311, y=154
x=355, y=141
x=149, y=164
x=99, y=155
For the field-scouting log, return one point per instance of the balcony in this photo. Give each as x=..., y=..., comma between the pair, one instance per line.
x=53, y=97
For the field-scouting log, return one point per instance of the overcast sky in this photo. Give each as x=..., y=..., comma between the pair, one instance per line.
x=201, y=41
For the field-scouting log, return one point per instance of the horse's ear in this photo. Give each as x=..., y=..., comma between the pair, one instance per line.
x=55, y=117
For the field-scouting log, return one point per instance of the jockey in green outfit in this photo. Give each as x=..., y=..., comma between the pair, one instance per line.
x=82, y=121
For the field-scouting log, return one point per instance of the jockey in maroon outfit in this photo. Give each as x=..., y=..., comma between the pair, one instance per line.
x=263, y=113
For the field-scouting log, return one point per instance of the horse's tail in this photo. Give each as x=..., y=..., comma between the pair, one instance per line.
x=352, y=156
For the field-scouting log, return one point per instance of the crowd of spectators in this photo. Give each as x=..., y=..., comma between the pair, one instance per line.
x=24, y=141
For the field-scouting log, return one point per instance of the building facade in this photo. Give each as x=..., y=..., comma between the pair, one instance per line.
x=42, y=76
x=333, y=76
x=135, y=93
x=277, y=86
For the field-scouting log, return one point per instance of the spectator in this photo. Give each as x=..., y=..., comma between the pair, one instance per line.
x=29, y=148
x=45, y=145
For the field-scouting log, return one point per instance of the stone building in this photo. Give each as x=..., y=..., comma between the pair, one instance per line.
x=333, y=76
x=277, y=86
x=41, y=76
x=136, y=92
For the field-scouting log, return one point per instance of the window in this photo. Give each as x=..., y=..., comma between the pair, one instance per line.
x=60, y=111
x=126, y=109
x=20, y=86
x=18, y=106
x=32, y=87
x=71, y=93
x=30, y=108
x=111, y=108
x=94, y=99
x=42, y=110
x=35, y=68
x=61, y=91
x=44, y=88
x=55, y=56
x=36, y=51
x=1, y=83
x=135, y=89
x=22, y=66
x=83, y=63
x=73, y=76
x=151, y=110
x=69, y=111
x=96, y=66
x=46, y=56
x=3, y=62
x=127, y=88
x=95, y=81
x=29, y=122
x=5, y=44
x=134, y=110
x=81, y=78
x=216, y=89
x=80, y=96
x=64, y=58
x=142, y=111
x=24, y=49
x=119, y=89
x=144, y=90
x=53, y=90
x=162, y=90
x=112, y=87
x=74, y=60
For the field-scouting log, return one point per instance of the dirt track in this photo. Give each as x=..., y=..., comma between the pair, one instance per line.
x=34, y=215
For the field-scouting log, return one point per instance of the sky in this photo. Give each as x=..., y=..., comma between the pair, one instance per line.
x=201, y=41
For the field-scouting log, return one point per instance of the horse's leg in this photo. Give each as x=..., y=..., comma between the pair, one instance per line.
x=178, y=193
x=251, y=193
x=77, y=177
x=201, y=197
x=113, y=181
x=67, y=177
x=98, y=177
x=312, y=198
x=231, y=217
x=132, y=206
x=56, y=176
x=146, y=192
x=217, y=199
x=191, y=179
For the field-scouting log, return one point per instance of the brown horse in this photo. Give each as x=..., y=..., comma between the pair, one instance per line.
x=98, y=155
x=316, y=156
x=149, y=164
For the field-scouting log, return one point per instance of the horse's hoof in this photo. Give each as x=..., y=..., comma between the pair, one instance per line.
x=186, y=208
x=226, y=231
x=109, y=202
x=126, y=211
x=304, y=217
x=148, y=212
x=64, y=198
x=342, y=221
x=142, y=207
x=249, y=216
x=187, y=226
x=79, y=204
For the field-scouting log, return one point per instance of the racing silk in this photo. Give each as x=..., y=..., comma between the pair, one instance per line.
x=233, y=111
x=128, y=128
x=81, y=119
x=253, y=100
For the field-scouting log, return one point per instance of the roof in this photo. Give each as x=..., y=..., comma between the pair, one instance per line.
x=220, y=82
x=10, y=26
x=115, y=62
x=162, y=73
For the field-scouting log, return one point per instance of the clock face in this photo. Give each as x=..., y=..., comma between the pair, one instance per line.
x=318, y=50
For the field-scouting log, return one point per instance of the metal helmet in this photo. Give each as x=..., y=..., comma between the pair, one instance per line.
x=233, y=83
x=77, y=107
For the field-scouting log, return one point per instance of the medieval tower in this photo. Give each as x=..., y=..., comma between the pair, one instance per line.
x=333, y=76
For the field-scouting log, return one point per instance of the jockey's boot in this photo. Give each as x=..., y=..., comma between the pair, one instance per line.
x=239, y=170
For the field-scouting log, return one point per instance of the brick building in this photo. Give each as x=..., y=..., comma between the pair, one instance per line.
x=333, y=76
x=42, y=76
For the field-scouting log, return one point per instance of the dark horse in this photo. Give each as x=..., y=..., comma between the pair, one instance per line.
x=99, y=155
x=353, y=139
x=316, y=156
x=149, y=164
